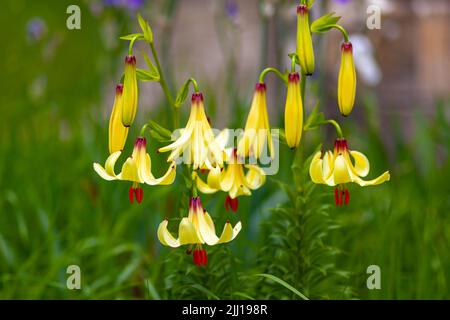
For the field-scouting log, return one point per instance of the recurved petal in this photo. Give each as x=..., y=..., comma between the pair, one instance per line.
x=316, y=168
x=204, y=187
x=166, y=179
x=187, y=233
x=362, y=166
x=229, y=233
x=255, y=176
x=165, y=237
x=214, y=177
x=382, y=178
x=107, y=173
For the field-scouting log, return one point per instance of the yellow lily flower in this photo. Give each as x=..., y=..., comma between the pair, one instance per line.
x=233, y=180
x=293, y=112
x=336, y=169
x=197, y=229
x=305, y=50
x=117, y=132
x=347, y=80
x=130, y=92
x=196, y=141
x=136, y=169
x=257, y=130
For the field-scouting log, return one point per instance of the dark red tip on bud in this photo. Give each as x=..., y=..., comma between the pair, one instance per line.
x=340, y=145
x=130, y=60
x=302, y=9
x=260, y=86
x=347, y=47
x=294, y=77
x=119, y=88
x=141, y=142
x=197, y=97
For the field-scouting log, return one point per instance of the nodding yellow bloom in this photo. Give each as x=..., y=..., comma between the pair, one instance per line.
x=117, y=132
x=197, y=229
x=347, y=80
x=336, y=169
x=196, y=141
x=136, y=169
x=293, y=112
x=305, y=50
x=130, y=92
x=233, y=180
x=257, y=130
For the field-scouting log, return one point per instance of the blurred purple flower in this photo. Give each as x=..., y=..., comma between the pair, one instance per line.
x=36, y=29
x=131, y=5
x=231, y=8
x=342, y=1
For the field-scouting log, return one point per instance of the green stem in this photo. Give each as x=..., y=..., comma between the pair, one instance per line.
x=274, y=70
x=144, y=127
x=344, y=32
x=293, y=63
x=302, y=88
x=165, y=87
x=130, y=47
x=195, y=84
x=336, y=126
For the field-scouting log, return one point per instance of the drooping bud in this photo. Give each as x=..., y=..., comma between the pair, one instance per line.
x=347, y=80
x=305, y=50
x=293, y=112
x=117, y=131
x=130, y=92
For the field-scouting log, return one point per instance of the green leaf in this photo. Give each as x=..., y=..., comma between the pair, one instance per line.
x=324, y=23
x=182, y=94
x=148, y=33
x=310, y=3
x=283, y=283
x=152, y=68
x=131, y=36
x=315, y=119
x=205, y=290
x=163, y=132
x=145, y=75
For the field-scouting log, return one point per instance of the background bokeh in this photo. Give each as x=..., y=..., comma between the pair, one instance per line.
x=57, y=87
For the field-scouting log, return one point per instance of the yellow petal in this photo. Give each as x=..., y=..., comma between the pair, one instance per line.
x=341, y=173
x=107, y=173
x=129, y=171
x=229, y=233
x=382, y=178
x=206, y=228
x=328, y=165
x=165, y=237
x=293, y=112
x=187, y=233
x=316, y=169
x=362, y=166
x=117, y=131
x=130, y=94
x=255, y=177
x=166, y=179
x=214, y=177
x=204, y=187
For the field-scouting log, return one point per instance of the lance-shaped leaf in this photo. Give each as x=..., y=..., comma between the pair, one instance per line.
x=315, y=119
x=152, y=68
x=145, y=75
x=131, y=36
x=163, y=132
x=182, y=93
x=324, y=23
x=148, y=33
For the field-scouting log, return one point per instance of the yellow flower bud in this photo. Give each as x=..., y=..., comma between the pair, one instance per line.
x=117, y=132
x=293, y=112
x=130, y=92
x=347, y=80
x=305, y=51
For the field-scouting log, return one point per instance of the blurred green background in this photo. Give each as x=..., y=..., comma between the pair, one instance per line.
x=57, y=91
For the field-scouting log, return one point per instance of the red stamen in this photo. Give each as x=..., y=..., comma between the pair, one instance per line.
x=336, y=196
x=347, y=197
x=139, y=194
x=232, y=204
x=196, y=257
x=227, y=203
x=130, y=194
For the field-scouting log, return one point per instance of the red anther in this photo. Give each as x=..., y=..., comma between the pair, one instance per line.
x=341, y=199
x=130, y=194
x=336, y=196
x=231, y=204
x=203, y=170
x=196, y=257
x=347, y=197
x=204, y=257
x=139, y=194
